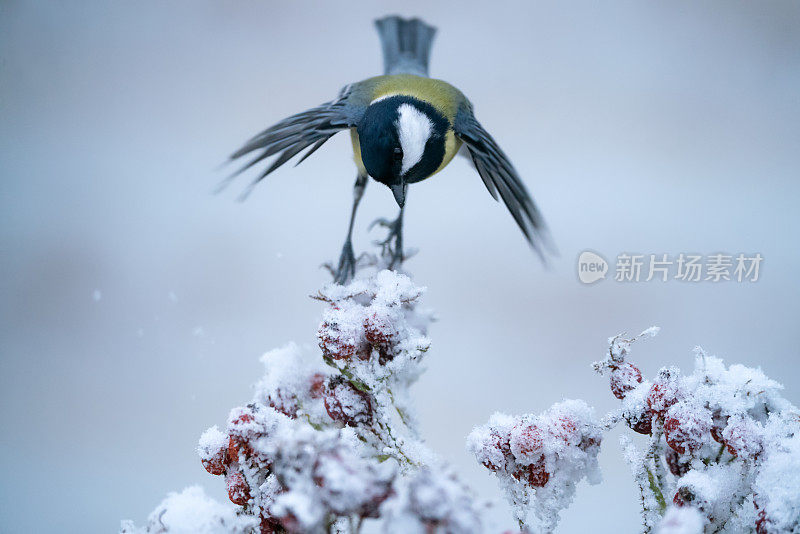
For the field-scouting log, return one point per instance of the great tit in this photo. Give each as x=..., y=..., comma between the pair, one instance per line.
x=405, y=127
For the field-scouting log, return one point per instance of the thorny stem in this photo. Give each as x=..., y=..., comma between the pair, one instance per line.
x=400, y=412
x=654, y=487
x=393, y=444
x=655, y=454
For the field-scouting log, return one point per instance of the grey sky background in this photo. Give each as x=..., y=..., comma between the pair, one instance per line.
x=639, y=126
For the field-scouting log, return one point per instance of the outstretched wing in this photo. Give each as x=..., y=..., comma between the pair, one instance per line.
x=500, y=178
x=294, y=134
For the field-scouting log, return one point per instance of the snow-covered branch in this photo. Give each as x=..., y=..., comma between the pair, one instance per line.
x=329, y=442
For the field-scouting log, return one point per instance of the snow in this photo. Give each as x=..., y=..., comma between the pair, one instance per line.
x=192, y=512
x=330, y=439
x=211, y=441
x=681, y=521
x=539, y=459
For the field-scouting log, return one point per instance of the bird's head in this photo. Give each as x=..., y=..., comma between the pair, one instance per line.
x=402, y=141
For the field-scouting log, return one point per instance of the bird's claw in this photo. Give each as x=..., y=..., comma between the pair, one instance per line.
x=392, y=246
x=346, y=270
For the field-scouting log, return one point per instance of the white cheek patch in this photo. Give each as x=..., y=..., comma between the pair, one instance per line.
x=413, y=129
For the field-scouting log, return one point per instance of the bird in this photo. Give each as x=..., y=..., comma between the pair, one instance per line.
x=405, y=127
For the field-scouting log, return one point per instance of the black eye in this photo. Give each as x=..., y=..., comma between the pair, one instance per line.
x=398, y=153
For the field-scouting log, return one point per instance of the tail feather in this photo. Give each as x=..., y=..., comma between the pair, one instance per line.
x=406, y=45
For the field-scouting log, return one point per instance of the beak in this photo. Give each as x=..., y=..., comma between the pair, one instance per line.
x=399, y=192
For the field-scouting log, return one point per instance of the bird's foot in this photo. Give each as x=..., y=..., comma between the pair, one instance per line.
x=346, y=269
x=392, y=246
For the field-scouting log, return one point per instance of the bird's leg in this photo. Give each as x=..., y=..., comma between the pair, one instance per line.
x=393, y=244
x=347, y=261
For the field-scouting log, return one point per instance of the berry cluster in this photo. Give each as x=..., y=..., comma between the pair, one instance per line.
x=716, y=429
x=432, y=501
x=539, y=457
x=330, y=443
x=320, y=450
x=378, y=323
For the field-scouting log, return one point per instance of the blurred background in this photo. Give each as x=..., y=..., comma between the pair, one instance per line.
x=134, y=303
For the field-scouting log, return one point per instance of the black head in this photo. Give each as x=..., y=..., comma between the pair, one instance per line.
x=402, y=141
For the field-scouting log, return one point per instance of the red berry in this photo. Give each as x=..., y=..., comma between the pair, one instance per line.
x=236, y=445
x=243, y=418
x=685, y=496
x=238, y=490
x=564, y=428
x=238, y=429
x=664, y=392
x=686, y=427
x=743, y=437
x=284, y=402
x=677, y=466
x=497, y=448
x=378, y=328
x=641, y=421
x=347, y=404
x=534, y=475
x=317, y=385
x=341, y=343
x=213, y=451
x=525, y=442
x=624, y=378
x=216, y=464
x=682, y=497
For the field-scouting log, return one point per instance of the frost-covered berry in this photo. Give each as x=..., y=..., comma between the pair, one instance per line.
x=640, y=421
x=494, y=451
x=213, y=450
x=238, y=490
x=525, y=443
x=284, y=402
x=241, y=428
x=316, y=387
x=343, y=341
x=534, y=475
x=683, y=497
x=379, y=328
x=743, y=437
x=564, y=428
x=349, y=485
x=700, y=495
x=347, y=404
x=686, y=427
x=216, y=465
x=677, y=465
x=624, y=378
x=664, y=392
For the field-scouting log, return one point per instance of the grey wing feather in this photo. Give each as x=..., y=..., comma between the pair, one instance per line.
x=294, y=134
x=501, y=179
